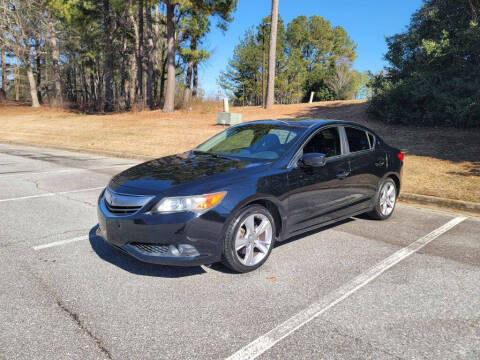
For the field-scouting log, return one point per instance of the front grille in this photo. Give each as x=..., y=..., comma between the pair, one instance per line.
x=122, y=204
x=121, y=210
x=151, y=248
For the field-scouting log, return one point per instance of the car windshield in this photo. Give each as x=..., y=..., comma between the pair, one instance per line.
x=255, y=141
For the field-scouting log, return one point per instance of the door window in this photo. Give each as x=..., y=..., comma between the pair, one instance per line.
x=325, y=142
x=357, y=139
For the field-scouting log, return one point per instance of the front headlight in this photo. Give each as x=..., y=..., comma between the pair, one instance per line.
x=196, y=203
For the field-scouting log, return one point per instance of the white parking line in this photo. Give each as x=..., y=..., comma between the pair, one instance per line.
x=62, y=170
x=266, y=341
x=50, y=194
x=62, y=242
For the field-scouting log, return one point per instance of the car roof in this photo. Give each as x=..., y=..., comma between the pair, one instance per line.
x=306, y=123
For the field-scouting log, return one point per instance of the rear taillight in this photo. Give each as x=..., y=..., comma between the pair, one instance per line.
x=401, y=156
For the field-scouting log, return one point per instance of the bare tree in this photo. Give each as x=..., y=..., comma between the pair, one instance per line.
x=272, y=56
x=23, y=25
x=341, y=80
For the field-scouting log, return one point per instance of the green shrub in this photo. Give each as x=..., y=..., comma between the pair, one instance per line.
x=433, y=76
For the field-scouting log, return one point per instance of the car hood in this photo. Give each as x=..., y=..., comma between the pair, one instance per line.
x=177, y=172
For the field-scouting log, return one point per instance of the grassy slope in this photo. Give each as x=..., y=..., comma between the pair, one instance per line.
x=442, y=162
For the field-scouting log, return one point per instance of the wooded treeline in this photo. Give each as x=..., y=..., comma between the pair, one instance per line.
x=107, y=55
x=311, y=56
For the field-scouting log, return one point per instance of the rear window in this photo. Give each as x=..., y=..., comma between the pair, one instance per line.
x=357, y=139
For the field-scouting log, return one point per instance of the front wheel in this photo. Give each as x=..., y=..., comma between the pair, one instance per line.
x=249, y=239
x=385, y=200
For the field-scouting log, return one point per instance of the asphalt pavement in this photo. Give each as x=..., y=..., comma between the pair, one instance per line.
x=405, y=288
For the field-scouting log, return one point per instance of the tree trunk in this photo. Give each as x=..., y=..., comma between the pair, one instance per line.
x=150, y=59
x=263, y=65
x=38, y=66
x=188, y=80
x=169, y=104
x=58, y=97
x=272, y=56
x=3, y=91
x=156, y=54
x=195, y=80
x=133, y=65
x=108, y=70
x=162, y=77
x=32, y=83
x=140, y=97
x=188, y=85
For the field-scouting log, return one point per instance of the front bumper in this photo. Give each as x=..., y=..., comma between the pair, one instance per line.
x=187, y=239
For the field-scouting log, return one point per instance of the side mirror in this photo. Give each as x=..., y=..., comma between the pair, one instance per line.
x=313, y=159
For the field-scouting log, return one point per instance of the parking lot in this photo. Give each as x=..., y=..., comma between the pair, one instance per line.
x=408, y=287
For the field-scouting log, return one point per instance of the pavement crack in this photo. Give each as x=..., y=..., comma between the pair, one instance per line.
x=74, y=316
x=77, y=200
x=71, y=314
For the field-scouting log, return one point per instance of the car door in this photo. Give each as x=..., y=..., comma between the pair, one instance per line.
x=366, y=166
x=317, y=194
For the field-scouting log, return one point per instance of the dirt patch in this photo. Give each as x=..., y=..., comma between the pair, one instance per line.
x=442, y=162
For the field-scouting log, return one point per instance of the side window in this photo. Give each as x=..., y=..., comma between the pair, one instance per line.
x=357, y=139
x=325, y=142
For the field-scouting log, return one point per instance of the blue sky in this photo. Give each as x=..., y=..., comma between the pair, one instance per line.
x=367, y=22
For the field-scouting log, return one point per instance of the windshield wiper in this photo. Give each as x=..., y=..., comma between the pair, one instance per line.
x=218, y=156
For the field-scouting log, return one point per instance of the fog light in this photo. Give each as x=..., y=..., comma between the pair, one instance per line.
x=173, y=250
x=187, y=250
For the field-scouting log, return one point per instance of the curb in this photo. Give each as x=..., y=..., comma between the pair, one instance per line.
x=419, y=199
x=442, y=202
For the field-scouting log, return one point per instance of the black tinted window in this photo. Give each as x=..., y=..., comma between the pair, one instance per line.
x=357, y=139
x=325, y=142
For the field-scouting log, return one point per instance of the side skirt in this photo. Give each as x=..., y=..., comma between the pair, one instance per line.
x=323, y=224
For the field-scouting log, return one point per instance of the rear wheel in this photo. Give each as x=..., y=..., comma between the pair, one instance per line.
x=385, y=200
x=249, y=239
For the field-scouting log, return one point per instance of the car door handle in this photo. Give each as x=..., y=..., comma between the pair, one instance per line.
x=380, y=162
x=343, y=174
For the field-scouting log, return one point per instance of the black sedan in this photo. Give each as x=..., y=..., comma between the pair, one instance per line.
x=231, y=198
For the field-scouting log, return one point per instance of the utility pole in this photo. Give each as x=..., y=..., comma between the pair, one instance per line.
x=272, y=56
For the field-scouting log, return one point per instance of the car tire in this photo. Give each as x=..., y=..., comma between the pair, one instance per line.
x=249, y=239
x=385, y=200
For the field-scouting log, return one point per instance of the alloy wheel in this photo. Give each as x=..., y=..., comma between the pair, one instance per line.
x=253, y=239
x=387, y=198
